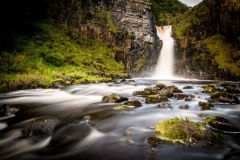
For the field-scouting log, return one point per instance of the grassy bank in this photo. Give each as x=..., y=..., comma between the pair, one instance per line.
x=49, y=56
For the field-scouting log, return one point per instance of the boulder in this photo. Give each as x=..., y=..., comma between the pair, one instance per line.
x=156, y=99
x=221, y=124
x=114, y=98
x=134, y=103
x=186, y=132
x=180, y=96
x=139, y=93
x=7, y=110
x=151, y=91
x=210, y=88
x=164, y=105
x=160, y=86
x=185, y=106
x=205, y=105
x=224, y=98
x=188, y=87
x=169, y=91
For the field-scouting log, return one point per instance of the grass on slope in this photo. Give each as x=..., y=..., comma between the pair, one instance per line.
x=165, y=10
x=52, y=56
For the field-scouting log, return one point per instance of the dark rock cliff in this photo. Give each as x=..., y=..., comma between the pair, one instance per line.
x=208, y=41
x=127, y=26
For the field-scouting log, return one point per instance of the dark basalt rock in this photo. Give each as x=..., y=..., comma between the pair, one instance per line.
x=224, y=98
x=185, y=106
x=156, y=99
x=134, y=103
x=205, y=105
x=188, y=87
x=164, y=106
x=230, y=89
x=151, y=91
x=221, y=124
x=114, y=98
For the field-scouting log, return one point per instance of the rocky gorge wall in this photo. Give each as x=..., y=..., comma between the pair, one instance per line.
x=127, y=26
x=208, y=40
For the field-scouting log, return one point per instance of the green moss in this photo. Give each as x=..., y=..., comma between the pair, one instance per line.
x=50, y=54
x=186, y=132
x=156, y=99
x=120, y=108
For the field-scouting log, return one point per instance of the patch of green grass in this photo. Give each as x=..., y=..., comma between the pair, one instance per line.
x=50, y=55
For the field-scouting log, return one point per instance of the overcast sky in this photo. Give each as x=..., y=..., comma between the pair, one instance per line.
x=191, y=2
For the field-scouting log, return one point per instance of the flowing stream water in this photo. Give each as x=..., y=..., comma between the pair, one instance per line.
x=81, y=127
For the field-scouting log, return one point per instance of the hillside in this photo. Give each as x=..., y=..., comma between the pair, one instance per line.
x=208, y=40
x=166, y=10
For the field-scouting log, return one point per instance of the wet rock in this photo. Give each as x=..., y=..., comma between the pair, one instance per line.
x=153, y=141
x=120, y=108
x=151, y=91
x=220, y=124
x=164, y=106
x=7, y=110
x=224, y=98
x=180, y=96
x=205, y=105
x=188, y=99
x=186, y=132
x=169, y=91
x=160, y=86
x=185, y=106
x=210, y=88
x=114, y=98
x=188, y=87
x=134, y=103
x=156, y=99
x=39, y=127
x=139, y=93
x=230, y=89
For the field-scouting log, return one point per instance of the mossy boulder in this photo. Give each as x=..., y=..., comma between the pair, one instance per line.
x=151, y=91
x=114, y=98
x=186, y=132
x=224, y=98
x=164, y=105
x=210, y=88
x=120, y=108
x=134, y=103
x=139, y=93
x=185, y=106
x=39, y=127
x=156, y=99
x=180, y=96
x=220, y=124
x=160, y=86
x=205, y=105
x=169, y=91
x=230, y=89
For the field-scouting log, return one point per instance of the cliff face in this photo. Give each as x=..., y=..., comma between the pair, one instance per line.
x=127, y=26
x=208, y=41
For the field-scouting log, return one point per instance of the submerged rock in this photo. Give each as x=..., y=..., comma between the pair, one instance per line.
x=224, y=98
x=39, y=127
x=221, y=124
x=205, y=105
x=188, y=87
x=156, y=99
x=185, y=106
x=186, y=132
x=164, y=105
x=134, y=103
x=114, y=98
x=7, y=110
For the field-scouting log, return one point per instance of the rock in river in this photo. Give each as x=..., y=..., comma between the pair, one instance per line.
x=114, y=98
x=134, y=103
x=205, y=105
x=224, y=98
x=156, y=99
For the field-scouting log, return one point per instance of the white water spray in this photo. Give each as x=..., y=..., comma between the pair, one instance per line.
x=165, y=64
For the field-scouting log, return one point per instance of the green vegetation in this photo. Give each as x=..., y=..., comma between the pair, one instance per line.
x=50, y=55
x=186, y=132
x=165, y=10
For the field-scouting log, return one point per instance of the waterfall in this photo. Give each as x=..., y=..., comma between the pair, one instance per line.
x=165, y=65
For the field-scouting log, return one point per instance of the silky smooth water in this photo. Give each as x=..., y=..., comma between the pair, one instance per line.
x=111, y=134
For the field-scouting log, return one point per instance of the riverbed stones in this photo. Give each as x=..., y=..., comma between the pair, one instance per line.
x=181, y=96
x=205, y=105
x=114, y=98
x=187, y=132
x=224, y=98
x=156, y=99
x=184, y=107
x=134, y=103
x=7, y=110
x=220, y=124
x=164, y=105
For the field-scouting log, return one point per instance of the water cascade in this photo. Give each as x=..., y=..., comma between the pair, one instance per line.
x=165, y=65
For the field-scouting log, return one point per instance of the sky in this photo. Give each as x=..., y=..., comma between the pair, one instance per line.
x=191, y=2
